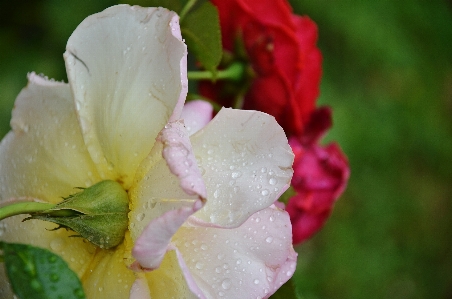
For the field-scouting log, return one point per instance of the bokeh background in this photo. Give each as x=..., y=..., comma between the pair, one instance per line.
x=388, y=77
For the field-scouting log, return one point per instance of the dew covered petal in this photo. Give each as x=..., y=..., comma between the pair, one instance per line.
x=107, y=276
x=251, y=261
x=154, y=241
x=44, y=157
x=168, y=179
x=127, y=69
x=246, y=163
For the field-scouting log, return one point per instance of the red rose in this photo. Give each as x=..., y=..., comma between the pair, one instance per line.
x=281, y=49
x=320, y=177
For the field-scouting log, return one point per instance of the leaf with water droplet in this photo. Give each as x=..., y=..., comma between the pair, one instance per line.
x=37, y=273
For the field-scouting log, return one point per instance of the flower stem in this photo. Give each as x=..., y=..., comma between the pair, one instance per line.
x=234, y=72
x=23, y=208
x=186, y=9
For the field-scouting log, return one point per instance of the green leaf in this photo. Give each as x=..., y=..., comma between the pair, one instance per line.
x=37, y=273
x=201, y=31
x=287, y=291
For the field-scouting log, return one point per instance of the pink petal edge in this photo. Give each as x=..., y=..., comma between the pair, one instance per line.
x=140, y=289
x=196, y=114
x=154, y=241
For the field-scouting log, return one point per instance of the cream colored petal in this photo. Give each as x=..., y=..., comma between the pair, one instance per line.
x=108, y=277
x=246, y=163
x=44, y=157
x=168, y=280
x=251, y=261
x=169, y=179
x=126, y=66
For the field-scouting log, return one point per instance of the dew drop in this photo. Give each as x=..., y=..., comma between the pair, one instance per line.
x=79, y=293
x=269, y=239
x=226, y=284
x=256, y=281
x=140, y=216
x=199, y=266
x=101, y=289
x=265, y=192
x=35, y=285
x=272, y=181
x=54, y=277
x=52, y=259
x=236, y=174
x=204, y=247
x=56, y=244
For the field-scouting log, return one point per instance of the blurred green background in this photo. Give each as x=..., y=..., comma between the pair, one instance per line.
x=388, y=77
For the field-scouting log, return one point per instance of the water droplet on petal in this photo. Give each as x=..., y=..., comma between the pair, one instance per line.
x=269, y=239
x=256, y=281
x=272, y=181
x=226, y=284
x=140, y=216
x=236, y=174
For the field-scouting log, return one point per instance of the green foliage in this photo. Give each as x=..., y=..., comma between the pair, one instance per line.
x=201, y=31
x=37, y=273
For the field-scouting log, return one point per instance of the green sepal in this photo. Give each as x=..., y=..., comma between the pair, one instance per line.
x=37, y=273
x=201, y=30
x=98, y=214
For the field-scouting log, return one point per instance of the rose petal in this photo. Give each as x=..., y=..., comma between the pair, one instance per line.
x=126, y=83
x=153, y=243
x=246, y=163
x=168, y=179
x=140, y=289
x=251, y=261
x=107, y=275
x=168, y=280
x=196, y=114
x=44, y=157
x=320, y=177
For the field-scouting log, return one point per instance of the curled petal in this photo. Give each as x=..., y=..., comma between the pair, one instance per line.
x=168, y=179
x=196, y=114
x=251, y=261
x=178, y=153
x=153, y=243
x=127, y=83
x=246, y=163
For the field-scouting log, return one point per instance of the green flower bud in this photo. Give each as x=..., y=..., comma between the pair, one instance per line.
x=98, y=214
